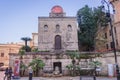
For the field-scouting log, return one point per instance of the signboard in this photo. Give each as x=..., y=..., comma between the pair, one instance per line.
x=110, y=70
x=16, y=68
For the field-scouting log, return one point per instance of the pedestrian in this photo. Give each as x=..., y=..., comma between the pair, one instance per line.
x=6, y=73
x=10, y=73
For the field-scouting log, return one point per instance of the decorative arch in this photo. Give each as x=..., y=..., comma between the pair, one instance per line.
x=58, y=42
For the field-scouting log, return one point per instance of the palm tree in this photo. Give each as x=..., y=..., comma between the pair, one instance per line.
x=26, y=39
x=36, y=64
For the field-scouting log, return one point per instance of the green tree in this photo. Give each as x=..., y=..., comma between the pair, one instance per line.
x=89, y=21
x=21, y=53
x=26, y=39
x=23, y=68
x=95, y=64
x=73, y=55
x=70, y=67
x=36, y=64
x=35, y=50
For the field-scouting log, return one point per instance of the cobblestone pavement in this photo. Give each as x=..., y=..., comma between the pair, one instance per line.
x=67, y=78
x=59, y=78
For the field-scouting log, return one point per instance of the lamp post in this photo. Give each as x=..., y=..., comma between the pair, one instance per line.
x=108, y=15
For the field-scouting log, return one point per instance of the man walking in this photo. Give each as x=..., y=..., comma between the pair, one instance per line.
x=6, y=74
x=10, y=73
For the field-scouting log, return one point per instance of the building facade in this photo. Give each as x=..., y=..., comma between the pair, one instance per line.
x=57, y=32
x=116, y=4
x=107, y=43
x=5, y=49
x=34, y=41
x=56, y=35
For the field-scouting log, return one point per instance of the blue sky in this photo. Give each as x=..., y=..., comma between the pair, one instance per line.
x=19, y=18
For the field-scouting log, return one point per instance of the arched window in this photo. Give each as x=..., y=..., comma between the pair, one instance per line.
x=57, y=28
x=57, y=42
x=45, y=28
x=69, y=28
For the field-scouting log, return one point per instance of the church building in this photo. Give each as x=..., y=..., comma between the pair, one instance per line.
x=57, y=32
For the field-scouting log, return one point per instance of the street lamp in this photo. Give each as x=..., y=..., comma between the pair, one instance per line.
x=108, y=15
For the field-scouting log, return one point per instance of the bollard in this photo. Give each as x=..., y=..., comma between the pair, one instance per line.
x=30, y=74
x=94, y=77
x=80, y=77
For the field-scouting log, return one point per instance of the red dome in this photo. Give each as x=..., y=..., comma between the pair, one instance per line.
x=57, y=9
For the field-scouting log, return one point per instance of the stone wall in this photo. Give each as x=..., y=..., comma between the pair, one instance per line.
x=50, y=59
x=46, y=36
x=108, y=58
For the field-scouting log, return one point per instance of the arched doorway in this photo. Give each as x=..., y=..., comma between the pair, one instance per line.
x=57, y=42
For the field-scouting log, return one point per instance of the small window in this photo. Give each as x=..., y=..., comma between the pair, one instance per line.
x=106, y=35
x=45, y=28
x=69, y=28
x=115, y=30
x=2, y=55
x=57, y=28
x=116, y=42
x=112, y=45
x=107, y=47
x=110, y=32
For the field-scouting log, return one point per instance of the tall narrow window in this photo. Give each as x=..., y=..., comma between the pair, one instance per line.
x=115, y=30
x=112, y=45
x=110, y=32
x=116, y=42
x=107, y=47
x=57, y=42
x=106, y=35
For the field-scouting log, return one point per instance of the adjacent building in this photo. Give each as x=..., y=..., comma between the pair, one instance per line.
x=5, y=49
x=116, y=4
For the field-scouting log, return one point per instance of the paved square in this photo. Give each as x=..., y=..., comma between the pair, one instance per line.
x=59, y=78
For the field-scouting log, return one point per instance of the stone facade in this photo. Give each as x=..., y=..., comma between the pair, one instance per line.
x=57, y=31
x=51, y=60
x=108, y=58
x=56, y=34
